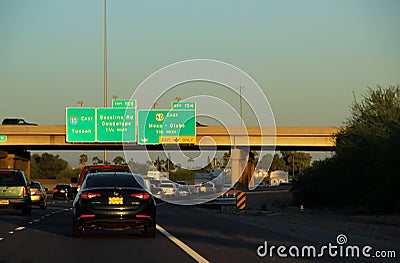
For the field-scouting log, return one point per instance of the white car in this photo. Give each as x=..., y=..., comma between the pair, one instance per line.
x=170, y=189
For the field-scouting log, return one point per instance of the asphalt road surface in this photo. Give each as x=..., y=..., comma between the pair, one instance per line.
x=185, y=234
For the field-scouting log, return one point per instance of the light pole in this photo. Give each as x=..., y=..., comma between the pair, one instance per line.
x=105, y=63
x=240, y=105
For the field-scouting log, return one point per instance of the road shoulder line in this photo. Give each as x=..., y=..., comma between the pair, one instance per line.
x=182, y=245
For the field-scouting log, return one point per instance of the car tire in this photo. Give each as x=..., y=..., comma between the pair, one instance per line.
x=26, y=211
x=43, y=205
x=77, y=230
x=149, y=232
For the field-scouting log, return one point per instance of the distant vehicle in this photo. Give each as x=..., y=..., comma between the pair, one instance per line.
x=182, y=182
x=183, y=191
x=16, y=121
x=207, y=187
x=63, y=191
x=38, y=195
x=99, y=168
x=157, y=192
x=14, y=191
x=194, y=189
x=170, y=189
x=114, y=201
x=154, y=182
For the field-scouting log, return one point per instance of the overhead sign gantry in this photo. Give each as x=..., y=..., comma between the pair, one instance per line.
x=118, y=124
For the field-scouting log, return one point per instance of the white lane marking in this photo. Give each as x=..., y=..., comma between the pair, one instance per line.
x=1, y=238
x=36, y=220
x=11, y=232
x=182, y=245
x=20, y=228
x=47, y=215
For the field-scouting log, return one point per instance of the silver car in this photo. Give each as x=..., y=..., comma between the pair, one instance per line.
x=38, y=195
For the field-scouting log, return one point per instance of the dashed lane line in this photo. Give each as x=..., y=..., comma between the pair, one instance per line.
x=182, y=245
x=20, y=228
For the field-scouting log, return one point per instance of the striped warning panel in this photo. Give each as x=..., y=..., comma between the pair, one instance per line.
x=241, y=201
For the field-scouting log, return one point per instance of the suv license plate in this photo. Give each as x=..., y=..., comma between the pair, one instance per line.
x=115, y=200
x=4, y=202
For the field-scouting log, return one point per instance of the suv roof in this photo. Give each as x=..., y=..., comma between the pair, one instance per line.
x=16, y=121
x=101, y=168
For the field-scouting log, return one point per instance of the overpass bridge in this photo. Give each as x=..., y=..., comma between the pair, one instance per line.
x=306, y=138
x=17, y=141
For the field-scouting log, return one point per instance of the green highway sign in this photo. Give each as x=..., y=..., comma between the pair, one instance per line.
x=183, y=105
x=116, y=125
x=81, y=124
x=166, y=126
x=122, y=103
x=3, y=138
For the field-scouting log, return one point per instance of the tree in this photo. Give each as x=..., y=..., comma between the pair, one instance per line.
x=278, y=163
x=365, y=162
x=96, y=160
x=137, y=167
x=159, y=164
x=225, y=159
x=47, y=165
x=83, y=158
x=296, y=162
x=118, y=160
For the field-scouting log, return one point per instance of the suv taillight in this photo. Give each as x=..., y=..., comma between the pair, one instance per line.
x=25, y=191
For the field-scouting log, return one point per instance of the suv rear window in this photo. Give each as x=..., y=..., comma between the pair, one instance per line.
x=99, y=169
x=63, y=186
x=110, y=180
x=11, y=179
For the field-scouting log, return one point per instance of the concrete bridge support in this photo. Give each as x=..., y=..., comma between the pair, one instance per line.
x=20, y=160
x=242, y=168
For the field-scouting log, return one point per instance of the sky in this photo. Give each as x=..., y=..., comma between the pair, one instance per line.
x=308, y=57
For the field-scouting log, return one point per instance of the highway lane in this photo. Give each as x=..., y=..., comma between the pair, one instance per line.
x=45, y=236
x=48, y=239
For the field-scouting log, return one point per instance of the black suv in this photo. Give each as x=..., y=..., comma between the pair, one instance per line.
x=16, y=121
x=14, y=191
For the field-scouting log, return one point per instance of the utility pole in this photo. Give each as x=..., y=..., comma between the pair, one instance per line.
x=240, y=105
x=105, y=63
